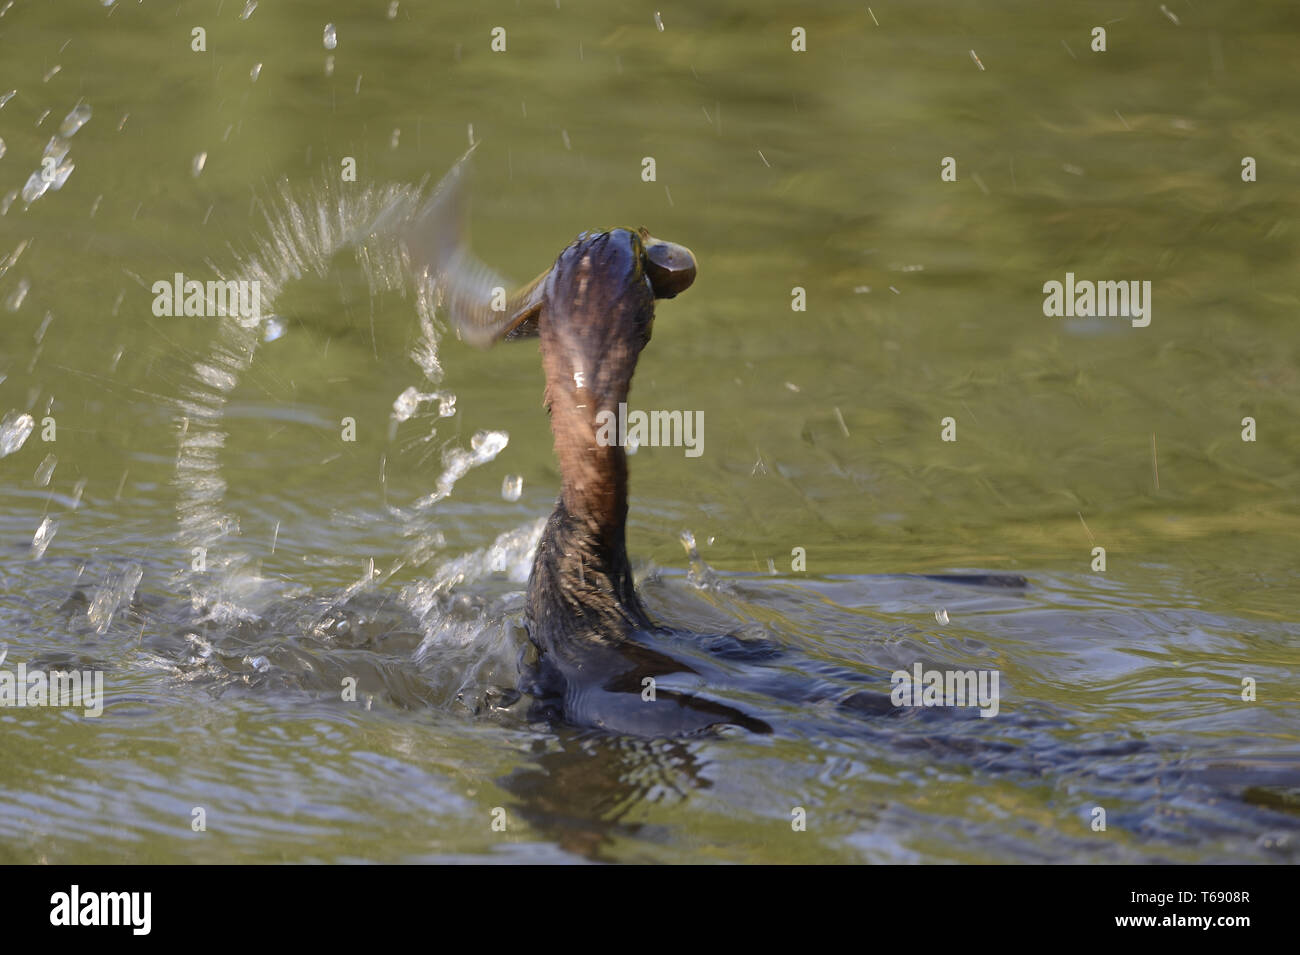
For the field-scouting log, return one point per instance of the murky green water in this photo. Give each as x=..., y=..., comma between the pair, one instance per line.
x=820, y=170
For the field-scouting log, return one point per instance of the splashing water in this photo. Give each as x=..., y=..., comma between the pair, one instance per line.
x=457, y=462
x=41, y=539
x=15, y=429
x=305, y=228
x=510, y=554
x=16, y=298
x=116, y=590
x=79, y=117
x=45, y=471
x=55, y=166
x=410, y=400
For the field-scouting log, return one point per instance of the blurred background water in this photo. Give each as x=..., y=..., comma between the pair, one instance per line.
x=780, y=169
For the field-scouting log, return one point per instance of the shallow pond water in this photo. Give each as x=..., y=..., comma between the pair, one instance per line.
x=196, y=528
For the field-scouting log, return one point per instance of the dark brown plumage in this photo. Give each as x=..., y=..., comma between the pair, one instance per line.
x=593, y=311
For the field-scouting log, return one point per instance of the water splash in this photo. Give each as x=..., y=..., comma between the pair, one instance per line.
x=409, y=401
x=15, y=299
x=510, y=555
x=41, y=539
x=305, y=228
x=15, y=429
x=79, y=117
x=9, y=262
x=55, y=166
x=116, y=590
x=45, y=471
x=457, y=462
x=701, y=575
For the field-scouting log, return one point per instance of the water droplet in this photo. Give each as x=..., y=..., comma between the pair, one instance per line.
x=512, y=487
x=255, y=72
x=406, y=404
x=329, y=65
x=115, y=592
x=16, y=297
x=488, y=444
x=56, y=149
x=330, y=37
x=249, y=7
x=272, y=328
x=659, y=21
x=14, y=431
x=2, y=149
x=45, y=470
x=52, y=71
x=8, y=201
x=392, y=143
x=392, y=10
x=6, y=97
x=941, y=615
x=196, y=168
x=41, y=539
x=61, y=174
x=447, y=406
x=79, y=117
